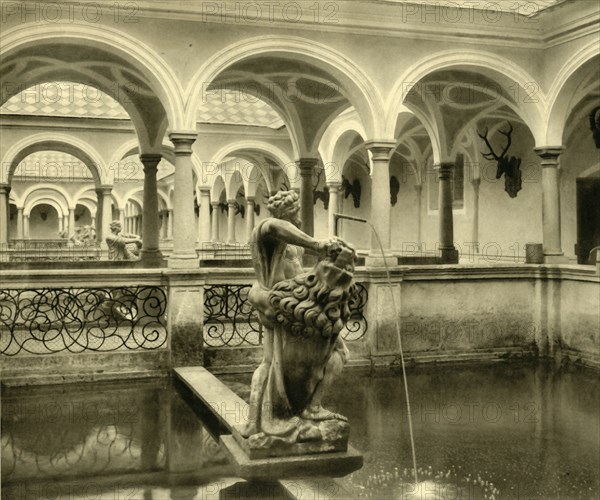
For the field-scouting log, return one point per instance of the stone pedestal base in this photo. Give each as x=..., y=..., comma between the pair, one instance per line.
x=377, y=260
x=152, y=259
x=334, y=438
x=449, y=256
x=555, y=259
x=177, y=262
x=335, y=464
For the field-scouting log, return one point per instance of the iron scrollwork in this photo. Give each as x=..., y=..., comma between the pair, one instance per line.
x=229, y=319
x=357, y=325
x=52, y=320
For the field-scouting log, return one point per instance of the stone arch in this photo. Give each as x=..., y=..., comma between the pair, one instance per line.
x=162, y=80
x=478, y=61
x=235, y=182
x=54, y=142
x=60, y=210
x=132, y=147
x=58, y=193
x=363, y=94
x=336, y=143
x=564, y=93
x=218, y=186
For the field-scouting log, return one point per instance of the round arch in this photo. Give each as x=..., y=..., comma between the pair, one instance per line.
x=532, y=115
x=217, y=188
x=45, y=201
x=54, y=142
x=563, y=92
x=57, y=192
x=160, y=75
x=89, y=204
x=364, y=95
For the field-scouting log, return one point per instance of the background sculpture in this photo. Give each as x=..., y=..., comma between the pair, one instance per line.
x=122, y=246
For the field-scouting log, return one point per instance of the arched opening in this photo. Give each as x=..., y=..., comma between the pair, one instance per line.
x=43, y=222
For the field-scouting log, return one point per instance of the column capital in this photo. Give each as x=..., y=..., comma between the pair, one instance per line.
x=549, y=155
x=214, y=203
x=20, y=209
x=250, y=199
x=334, y=185
x=476, y=181
x=205, y=190
x=150, y=161
x=5, y=188
x=446, y=169
x=105, y=190
x=231, y=203
x=381, y=148
x=183, y=140
x=307, y=165
x=418, y=187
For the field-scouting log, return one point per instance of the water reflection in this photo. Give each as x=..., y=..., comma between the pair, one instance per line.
x=489, y=432
x=90, y=439
x=500, y=431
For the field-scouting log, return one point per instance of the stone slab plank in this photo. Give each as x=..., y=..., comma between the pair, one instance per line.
x=336, y=464
x=228, y=407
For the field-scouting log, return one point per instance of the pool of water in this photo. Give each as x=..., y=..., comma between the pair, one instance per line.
x=502, y=431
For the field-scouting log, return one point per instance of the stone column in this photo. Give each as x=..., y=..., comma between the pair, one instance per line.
x=380, y=196
x=122, y=217
x=4, y=214
x=334, y=204
x=306, y=166
x=65, y=220
x=419, y=191
x=231, y=221
x=448, y=252
x=184, y=240
x=104, y=217
x=99, y=200
x=170, y=224
x=151, y=255
x=19, y=223
x=215, y=222
x=204, y=216
x=476, y=184
x=250, y=202
x=26, y=226
x=93, y=222
x=551, y=203
x=71, y=221
x=60, y=224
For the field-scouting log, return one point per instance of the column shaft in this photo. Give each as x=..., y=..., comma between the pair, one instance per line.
x=106, y=213
x=150, y=253
x=4, y=214
x=26, y=226
x=184, y=237
x=204, y=217
x=380, y=195
x=170, y=224
x=307, y=167
x=419, y=191
x=551, y=202
x=231, y=205
x=446, y=223
x=71, y=222
x=215, y=222
x=19, y=223
x=249, y=217
x=334, y=203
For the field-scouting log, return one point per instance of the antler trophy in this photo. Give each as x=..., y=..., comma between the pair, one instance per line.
x=510, y=167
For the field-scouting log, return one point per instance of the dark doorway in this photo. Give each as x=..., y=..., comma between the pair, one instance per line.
x=588, y=219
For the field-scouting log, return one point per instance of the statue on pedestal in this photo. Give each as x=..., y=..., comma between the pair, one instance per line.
x=122, y=246
x=302, y=314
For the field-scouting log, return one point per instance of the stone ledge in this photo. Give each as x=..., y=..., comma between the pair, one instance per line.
x=336, y=464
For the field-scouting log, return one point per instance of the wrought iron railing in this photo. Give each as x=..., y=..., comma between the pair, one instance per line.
x=230, y=320
x=53, y=320
x=49, y=251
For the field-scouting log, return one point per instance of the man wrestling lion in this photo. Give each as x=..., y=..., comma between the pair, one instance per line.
x=302, y=314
